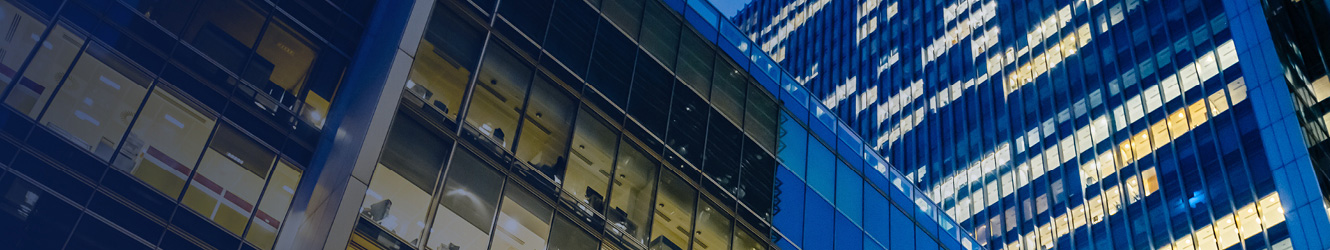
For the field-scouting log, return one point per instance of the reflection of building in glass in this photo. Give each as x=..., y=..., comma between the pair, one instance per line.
x=1107, y=124
x=449, y=124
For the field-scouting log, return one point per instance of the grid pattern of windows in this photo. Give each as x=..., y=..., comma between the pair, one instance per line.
x=629, y=128
x=163, y=124
x=1108, y=124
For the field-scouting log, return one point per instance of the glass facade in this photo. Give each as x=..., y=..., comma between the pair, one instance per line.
x=449, y=124
x=619, y=124
x=164, y=124
x=1079, y=124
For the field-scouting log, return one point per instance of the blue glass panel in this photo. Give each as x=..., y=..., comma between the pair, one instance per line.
x=703, y=28
x=821, y=169
x=793, y=147
x=849, y=193
x=902, y=230
x=848, y=236
x=704, y=9
x=789, y=218
x=798, y=112
x=769, y=84
x=869, y=244
x=923, y=242
x=818, y=226
x=735, y=53
x=784, y=244
x=677, y=5
x=822, y=131
x=877, y=220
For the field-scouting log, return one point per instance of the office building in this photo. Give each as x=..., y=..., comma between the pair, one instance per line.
x=449, y=124
x=1081, y=124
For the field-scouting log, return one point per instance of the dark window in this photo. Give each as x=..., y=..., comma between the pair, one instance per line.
x=611, y=64
x=572, y=28
x=660, y=33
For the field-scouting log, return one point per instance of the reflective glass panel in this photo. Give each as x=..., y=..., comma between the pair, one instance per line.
x=229, y=178
x=499, y=94
x=567, y=236
x=744, y=240
x=444, y=61
x=545, y=128
x=272, y=209
x=591, y=160
x=399, y=189
x=524, y=221
x=467, y=204
x=713, y=228
x=674, y=213
x=660, y=33
x=26, y=29
x=630, y=192
x=95, y=105
x=166, y=141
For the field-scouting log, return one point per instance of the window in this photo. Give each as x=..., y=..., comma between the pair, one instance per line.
x=631, y=192
x=688, y=125
x=611, y=64
x=171, y=15
x=467, y=204
x=166, y=141
x=591, y=160
x=723, y=152
x=47, y=69
x=761, y=117
x=545, y=128
x=625, y=13
x=567, y=236
x=849, y=193
x=399, y=190
x=272, y=208
x=793, y=147
x=94, y=106
x=822, y=166
x=572, y=27
x=674, y=213
x=902, y=229
x=728, y=90
x=660, y=33
x=226, y=31
x=695, y=63
x=281, y=67
x=500, y=91
x=713, y=227
x=444, y=61
x=531, y=17
x=757, y=171
x=229, y=178
x=17, y=46
x=790, y=218
x=524, y=221
x=650, y=98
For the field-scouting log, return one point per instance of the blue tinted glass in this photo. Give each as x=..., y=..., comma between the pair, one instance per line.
x=821, y=169
x=793, y=147
x=902, y=230
x=849, y=193
x=876, y=217
x=870, y=245
x=847, y=235
x=789, y=215
x=818, y=222
x=923, y=242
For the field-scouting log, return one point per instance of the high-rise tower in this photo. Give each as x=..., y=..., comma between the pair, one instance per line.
x=1079, y=124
